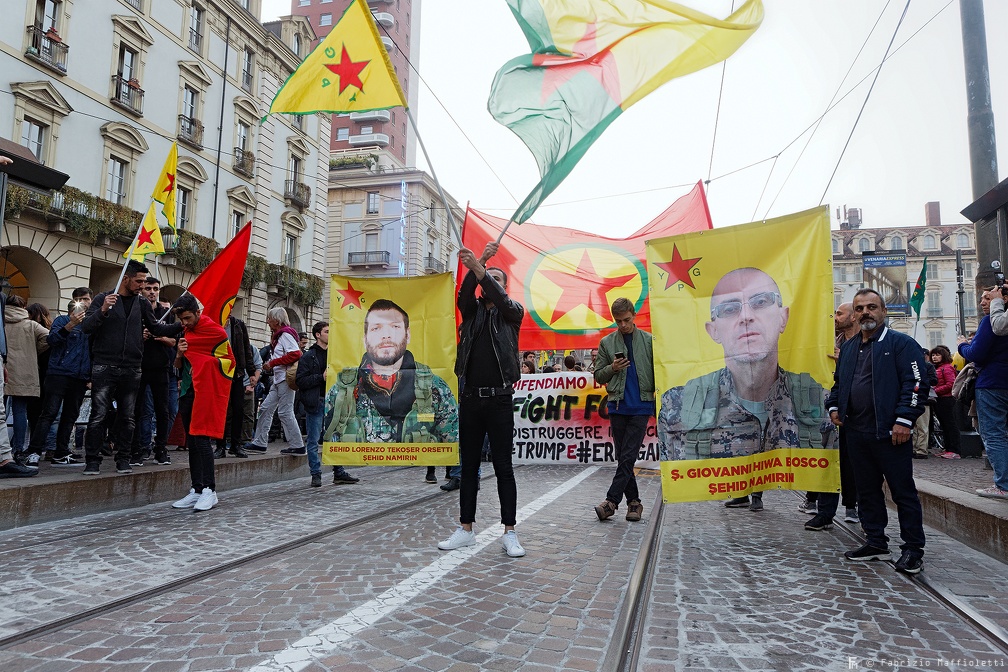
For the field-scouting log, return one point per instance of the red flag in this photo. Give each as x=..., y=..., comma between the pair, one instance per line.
x=213, y=367
x=217, y=286
x=567, y=279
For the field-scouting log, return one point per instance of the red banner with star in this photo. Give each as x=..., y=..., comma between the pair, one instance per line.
x=567, y=279
x=213, y=368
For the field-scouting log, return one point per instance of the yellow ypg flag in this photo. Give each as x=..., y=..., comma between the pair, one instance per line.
x=164, y=190
x=743, y=329
x=349, y=71
x=148, y=240
x=391, y=389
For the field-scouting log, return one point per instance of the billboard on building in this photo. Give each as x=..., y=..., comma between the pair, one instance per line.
x=887, y=275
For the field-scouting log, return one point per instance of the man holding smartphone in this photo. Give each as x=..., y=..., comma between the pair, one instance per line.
x=625, y=365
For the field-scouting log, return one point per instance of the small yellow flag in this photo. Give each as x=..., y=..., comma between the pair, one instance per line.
x=164, y=190
x=148, y=239
x=349, y=71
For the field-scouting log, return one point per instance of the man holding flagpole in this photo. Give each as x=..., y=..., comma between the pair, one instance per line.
x=116, y=322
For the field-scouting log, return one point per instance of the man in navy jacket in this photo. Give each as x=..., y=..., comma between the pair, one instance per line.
x=878, y=392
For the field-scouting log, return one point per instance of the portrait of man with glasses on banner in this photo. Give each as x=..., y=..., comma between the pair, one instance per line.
x=752, y=404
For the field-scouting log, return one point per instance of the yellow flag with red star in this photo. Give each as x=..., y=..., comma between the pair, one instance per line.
x=148, y=240
x=349, y=71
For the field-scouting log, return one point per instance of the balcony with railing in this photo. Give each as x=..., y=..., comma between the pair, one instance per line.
x=389, y=44
x=128, y=95
x=370, y=258
x=373, y=115
x=432, y=265
x=190, y=131
x=244, y=162
x=298, y=193
x=384, y=19
x=46, y=47
x=369, y=139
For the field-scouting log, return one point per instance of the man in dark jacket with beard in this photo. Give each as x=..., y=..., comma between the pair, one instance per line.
x=487, y=365
x=116, y=322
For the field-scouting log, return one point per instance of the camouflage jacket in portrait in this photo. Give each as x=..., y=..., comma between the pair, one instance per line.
x=704, y=418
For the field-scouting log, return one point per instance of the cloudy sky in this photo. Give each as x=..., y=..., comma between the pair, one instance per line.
x=910, y=146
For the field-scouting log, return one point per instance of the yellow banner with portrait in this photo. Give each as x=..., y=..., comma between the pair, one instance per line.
x=391, y=391
x=743, y=329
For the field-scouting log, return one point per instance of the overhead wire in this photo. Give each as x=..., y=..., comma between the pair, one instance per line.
x=717, y=113
x=871, y=88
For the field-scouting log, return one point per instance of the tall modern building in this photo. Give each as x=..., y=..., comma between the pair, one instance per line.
x=100, y=89
x=385, y=133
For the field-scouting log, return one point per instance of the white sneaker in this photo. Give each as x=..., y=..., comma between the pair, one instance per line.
x=459, y=538
x=187, y=501
x=207, y=500
x=510, y=543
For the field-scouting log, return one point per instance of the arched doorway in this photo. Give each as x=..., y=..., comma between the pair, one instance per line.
x=28, y=274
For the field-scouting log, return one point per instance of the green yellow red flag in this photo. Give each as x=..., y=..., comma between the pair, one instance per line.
x=349, y=71
x=148, y=240
x=590, y=61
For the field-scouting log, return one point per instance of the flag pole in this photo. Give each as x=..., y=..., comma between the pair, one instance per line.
x=129, y=256
x=504, y=230
x=451, y=219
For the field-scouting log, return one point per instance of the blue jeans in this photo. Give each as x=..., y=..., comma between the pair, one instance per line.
x=313, y=429
x=992, y=414
x=19, y=414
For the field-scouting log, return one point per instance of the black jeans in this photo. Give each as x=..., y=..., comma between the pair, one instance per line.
x=59, y=390
x=157, y=381
x=827, y=501
x=492, y=417
x=121, y=383
x=876, y=460
x=628, y=433
x=235, y=413
x=945, y=412
x=200, y=448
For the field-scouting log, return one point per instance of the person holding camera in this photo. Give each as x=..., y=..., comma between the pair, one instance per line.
x=998, y=316
x=625, y=365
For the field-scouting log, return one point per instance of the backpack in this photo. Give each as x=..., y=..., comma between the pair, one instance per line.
x=291, y=375
x=964, y=387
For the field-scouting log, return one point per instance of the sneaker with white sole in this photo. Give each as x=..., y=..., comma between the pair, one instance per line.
x=510, y=543
x=851, y=515
x=809, y=506
x=207, y=500
x=187, y=501
x=459, y=538
x=993, y=492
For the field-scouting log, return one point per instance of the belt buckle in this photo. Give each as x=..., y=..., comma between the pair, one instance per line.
x=484, y=392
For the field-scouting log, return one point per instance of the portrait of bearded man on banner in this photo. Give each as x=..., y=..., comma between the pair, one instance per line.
x=752, y=404
x=389, y=397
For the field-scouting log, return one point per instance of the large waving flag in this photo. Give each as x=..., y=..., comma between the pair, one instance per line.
x=567, y=279
x=590, y=61
x=148, y=240
x=217, y=286
x=349, y=71
x=213, y=367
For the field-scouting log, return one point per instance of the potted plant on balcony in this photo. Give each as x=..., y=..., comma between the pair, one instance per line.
x=133, y=83
x=53, y=35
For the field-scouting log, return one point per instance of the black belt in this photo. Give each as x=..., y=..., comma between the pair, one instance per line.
x=484, y=392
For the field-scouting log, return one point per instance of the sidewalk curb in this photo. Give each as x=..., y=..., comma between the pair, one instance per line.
x=975, y=521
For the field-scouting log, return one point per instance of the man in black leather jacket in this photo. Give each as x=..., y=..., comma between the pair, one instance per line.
x=488, y=367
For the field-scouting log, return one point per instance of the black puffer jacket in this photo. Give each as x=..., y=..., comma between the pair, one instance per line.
x=505, y=321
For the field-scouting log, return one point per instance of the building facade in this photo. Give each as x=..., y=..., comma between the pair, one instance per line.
x=386, y=133
x=385, y=222
x=100, y=90
x=939, y=317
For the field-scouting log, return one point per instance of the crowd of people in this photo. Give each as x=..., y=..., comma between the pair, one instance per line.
x=128, y=354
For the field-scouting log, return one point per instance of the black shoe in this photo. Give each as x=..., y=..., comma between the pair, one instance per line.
x=342, y=477
x=237, y=452
x=867, y=552
x=294, y=451
x=92, y=468
x=162, y=458
x=316, y=480
x=911, y=562
x=136, y=461
x=757, y=502
x=64, y=460
x=14, y=470
x=452, y=484
x=819, y=522
x=738, y=503
x=253, y=448
x=431, y=476
x=123, y=467
x=218, y=453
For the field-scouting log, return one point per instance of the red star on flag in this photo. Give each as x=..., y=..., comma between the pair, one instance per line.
x=348, y=71
x=145, y=237
x=584, y=286
x=351, y=297
x=171, y=182
x=678, y=269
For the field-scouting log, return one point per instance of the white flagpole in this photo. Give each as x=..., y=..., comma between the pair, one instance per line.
x=451, y=219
